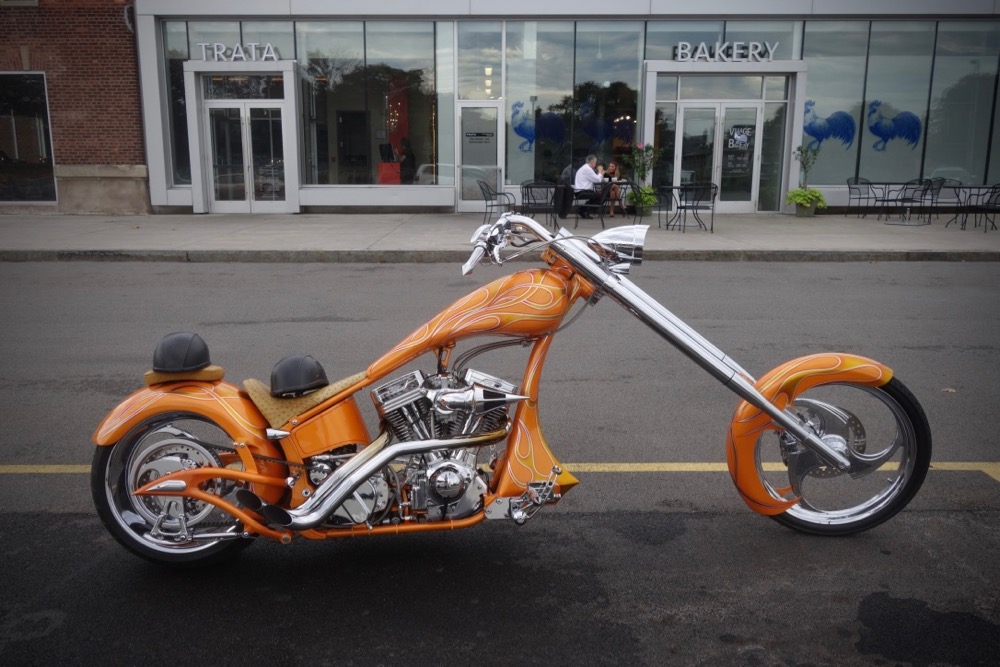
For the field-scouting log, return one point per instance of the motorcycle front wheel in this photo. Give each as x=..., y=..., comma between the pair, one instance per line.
x=884, y=424
x=170, y=530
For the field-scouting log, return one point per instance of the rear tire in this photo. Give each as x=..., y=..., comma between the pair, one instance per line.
x=165, y=529
x=875, y=421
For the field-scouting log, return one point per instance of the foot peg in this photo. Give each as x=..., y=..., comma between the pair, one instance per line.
x=525, y=506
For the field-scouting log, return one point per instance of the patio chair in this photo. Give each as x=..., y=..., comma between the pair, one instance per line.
x=860, y=195
x=495, y=201
x=905, y=199
x=539, y=198
x=592, y=205
x=697, y=197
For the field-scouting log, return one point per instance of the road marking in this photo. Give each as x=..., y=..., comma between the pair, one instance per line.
x=988, y=468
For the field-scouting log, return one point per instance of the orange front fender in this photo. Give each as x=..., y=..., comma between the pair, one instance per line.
x=780, y=386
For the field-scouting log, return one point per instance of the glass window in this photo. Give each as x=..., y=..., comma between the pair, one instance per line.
x=662, y=37
x=665, y=138
x=279, y=34
x=836, y=53
x=772, y=155
x=786, y=36
x=965, y=67
x=776, y=88
x=334, y=115
x=203, y=35
x=899, y=74
x=539, y=94
x=721, y=87
x=666, y=87
x=244, y=87
x=608, y=66
x=399, y=69
x=175, y=47
x=479, y=60
x=433, y=171
x=25, y=144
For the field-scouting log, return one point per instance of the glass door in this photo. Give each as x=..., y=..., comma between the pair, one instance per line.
x=719, y=144
x=479, y=144
x=246, y=158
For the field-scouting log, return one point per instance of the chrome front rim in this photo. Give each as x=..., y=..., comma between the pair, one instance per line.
x=863, y=419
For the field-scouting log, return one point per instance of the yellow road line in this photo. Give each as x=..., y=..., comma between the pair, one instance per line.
x=42, y=470
x=989, y=468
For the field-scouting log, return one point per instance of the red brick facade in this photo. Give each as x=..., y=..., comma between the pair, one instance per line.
x=86, y=48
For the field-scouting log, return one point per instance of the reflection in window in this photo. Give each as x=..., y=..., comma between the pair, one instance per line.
x=608, y=66
x=662, y=36
x=244, y=87
x=334, y=121
x=899, y=73
x=278, y=34
x=25, y=144
x=175, y=47
x=399, y=74
x=721, y=87
x=787, y=35
x=772, y=155
x=965, y=67
x=665, y=138
x=836, y=52
x=539, y=93
x=479, y=60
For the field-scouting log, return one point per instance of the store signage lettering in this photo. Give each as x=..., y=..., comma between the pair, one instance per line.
x=238, y=53
x=739, y=138
x=725, y=52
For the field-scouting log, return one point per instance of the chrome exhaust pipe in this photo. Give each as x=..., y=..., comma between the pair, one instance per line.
x=346, y=479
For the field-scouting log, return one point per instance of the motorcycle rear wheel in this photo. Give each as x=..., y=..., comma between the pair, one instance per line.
x=885, y=422
x=166, y=529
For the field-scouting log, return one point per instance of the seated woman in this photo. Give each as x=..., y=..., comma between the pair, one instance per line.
x=614, y=198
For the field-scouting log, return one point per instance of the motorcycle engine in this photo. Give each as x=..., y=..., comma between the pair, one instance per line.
x=448, y=483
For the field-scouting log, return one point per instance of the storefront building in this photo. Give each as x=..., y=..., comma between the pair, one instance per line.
x=301, y=105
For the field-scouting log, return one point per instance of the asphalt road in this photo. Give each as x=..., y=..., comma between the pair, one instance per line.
x=630, y=568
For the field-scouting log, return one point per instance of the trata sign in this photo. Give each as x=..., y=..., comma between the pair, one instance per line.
x=725, y=52
x=237, y=53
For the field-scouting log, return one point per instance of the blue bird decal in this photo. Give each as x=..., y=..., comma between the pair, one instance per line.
x=904, y=125
x=838, y=125
x=524, y=126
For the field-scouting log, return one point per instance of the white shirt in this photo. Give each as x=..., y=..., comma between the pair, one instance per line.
x=586, y=178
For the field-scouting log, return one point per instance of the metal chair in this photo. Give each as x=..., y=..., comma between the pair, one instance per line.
x=860, y=194
x=666, y=204
x=987, y=206
x=539, y=197
x=502, y=201
x=588, y=203
x=696, y=197
x=907, y=197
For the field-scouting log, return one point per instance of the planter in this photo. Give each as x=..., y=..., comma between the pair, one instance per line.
x=805, y=211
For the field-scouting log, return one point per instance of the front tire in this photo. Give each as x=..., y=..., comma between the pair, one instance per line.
x=167, y=529
x=885, y=422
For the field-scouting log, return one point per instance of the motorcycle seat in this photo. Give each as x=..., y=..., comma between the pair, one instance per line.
x=279, y=411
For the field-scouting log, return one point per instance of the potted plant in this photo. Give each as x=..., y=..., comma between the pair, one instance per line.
x=641, y=158
x=806, y=199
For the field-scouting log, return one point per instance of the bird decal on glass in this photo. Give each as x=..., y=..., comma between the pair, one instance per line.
x=904, y=125
x=524, y=126
x=838, y=125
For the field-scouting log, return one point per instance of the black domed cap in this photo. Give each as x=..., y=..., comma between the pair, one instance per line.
x=297, y=375
x=179, y=352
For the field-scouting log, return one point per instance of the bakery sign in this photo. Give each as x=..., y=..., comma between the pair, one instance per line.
x=725, y=52
x=238, y=53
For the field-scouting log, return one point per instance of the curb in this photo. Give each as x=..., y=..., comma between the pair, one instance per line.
x=460, y=256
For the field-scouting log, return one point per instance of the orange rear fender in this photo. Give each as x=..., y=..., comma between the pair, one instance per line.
x=223, y=403
x=780, y=386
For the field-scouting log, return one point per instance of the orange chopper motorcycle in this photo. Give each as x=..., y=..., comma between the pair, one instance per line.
x=190, y=469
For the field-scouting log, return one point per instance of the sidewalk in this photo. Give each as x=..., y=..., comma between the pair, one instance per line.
x=409, y=237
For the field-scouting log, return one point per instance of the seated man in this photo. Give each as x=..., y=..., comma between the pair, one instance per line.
x=587, y=177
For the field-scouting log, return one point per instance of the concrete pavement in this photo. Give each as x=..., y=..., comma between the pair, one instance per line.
x=426, y=237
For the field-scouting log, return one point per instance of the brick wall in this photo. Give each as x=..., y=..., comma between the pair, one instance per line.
x=88, y=55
